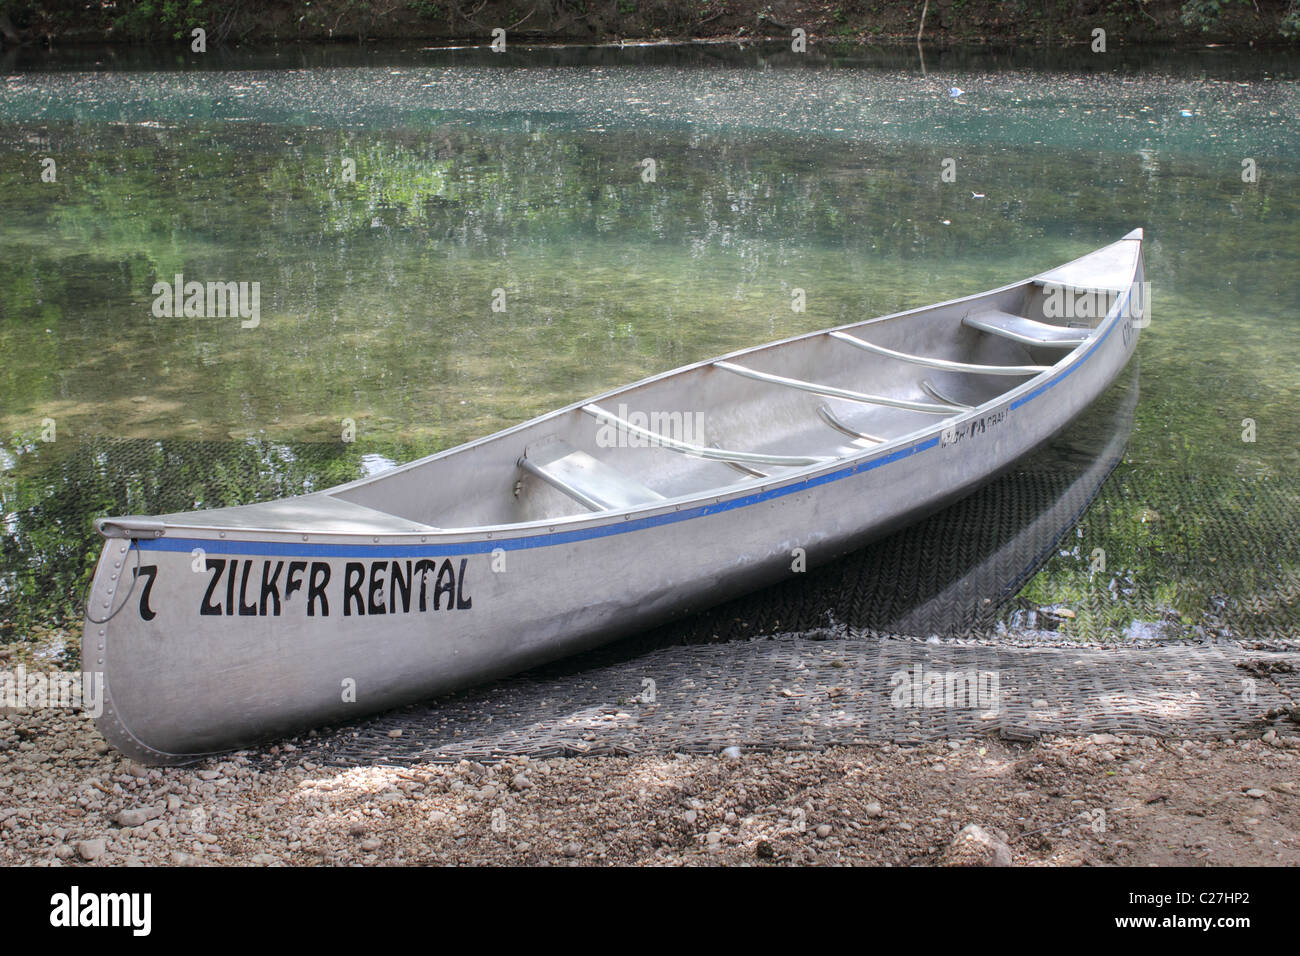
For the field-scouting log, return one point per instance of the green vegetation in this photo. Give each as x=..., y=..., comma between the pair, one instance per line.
x=176, y=18
x=1209, y=15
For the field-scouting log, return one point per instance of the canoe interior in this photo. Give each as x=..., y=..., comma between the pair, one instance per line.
x=571, y=463
x=712, y=407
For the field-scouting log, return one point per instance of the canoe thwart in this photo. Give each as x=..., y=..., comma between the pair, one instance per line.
x=945, y=364
x=587, y=480
x=1026, y=331
x=831, y=391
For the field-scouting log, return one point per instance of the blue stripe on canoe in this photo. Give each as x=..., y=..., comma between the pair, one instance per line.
x=487, y=546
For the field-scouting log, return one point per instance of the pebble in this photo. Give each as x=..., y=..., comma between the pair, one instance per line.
x=137, y=816
x=276, y=815
x=976, y=846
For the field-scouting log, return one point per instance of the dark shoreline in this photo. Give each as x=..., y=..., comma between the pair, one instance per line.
x=1179, y=24
x=1220, y=61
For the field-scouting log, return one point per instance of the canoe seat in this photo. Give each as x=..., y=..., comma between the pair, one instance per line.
x=587, y=480
x=1026, y=331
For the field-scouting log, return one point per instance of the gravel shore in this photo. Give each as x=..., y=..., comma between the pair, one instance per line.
x=66, y=798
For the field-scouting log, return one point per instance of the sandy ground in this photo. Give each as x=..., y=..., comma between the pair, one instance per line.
x=66, y=798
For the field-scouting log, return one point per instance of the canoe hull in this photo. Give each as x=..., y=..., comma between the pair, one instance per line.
x=224, y=640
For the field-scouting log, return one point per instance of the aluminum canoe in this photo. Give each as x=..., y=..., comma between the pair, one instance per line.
x=218, y=629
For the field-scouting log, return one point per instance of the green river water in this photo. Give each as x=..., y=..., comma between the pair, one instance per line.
x=524, y=172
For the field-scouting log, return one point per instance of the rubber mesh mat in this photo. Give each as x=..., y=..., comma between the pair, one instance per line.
x=797, y=693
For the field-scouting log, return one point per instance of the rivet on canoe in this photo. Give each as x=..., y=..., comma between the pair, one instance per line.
x=375, y=540
x=304, y=537
x=222, y=534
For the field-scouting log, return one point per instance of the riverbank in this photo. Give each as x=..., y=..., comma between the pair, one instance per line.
x=67, y=799
x=1178, y=22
